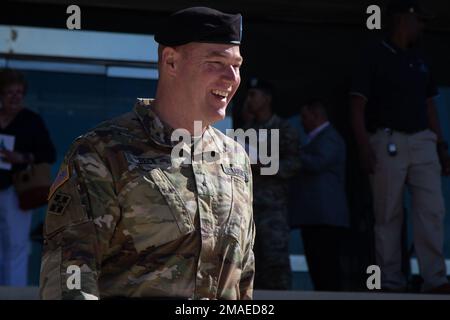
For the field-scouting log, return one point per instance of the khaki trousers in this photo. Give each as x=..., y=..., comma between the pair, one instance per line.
x=416, y=165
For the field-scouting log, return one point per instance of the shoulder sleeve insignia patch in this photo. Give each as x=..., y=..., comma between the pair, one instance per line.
x=61, y=178
x=59, y=203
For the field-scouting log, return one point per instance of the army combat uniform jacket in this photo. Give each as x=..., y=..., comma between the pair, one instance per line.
x=125, y=219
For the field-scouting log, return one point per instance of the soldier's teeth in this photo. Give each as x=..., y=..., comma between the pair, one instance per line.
x=220, y=93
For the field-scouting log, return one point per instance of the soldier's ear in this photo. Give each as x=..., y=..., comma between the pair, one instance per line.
x=170, y=58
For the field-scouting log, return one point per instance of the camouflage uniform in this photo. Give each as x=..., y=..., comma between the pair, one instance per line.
x=139, y=225
x=273, y=269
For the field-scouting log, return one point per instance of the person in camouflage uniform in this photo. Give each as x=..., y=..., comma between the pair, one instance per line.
x=133, y=219
x=273, y=269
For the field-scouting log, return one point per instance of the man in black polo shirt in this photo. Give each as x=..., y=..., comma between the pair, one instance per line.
x=400, y=141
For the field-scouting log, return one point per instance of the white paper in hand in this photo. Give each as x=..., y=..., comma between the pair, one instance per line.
x=6, y=143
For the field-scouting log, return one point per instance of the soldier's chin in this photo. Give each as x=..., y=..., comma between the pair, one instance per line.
x=218, y=115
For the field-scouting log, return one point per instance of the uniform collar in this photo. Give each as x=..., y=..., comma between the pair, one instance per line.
x=161, y=133
x=158, y=131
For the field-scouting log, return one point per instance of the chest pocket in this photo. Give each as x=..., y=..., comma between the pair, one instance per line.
x=153, y=211
x=240, y=201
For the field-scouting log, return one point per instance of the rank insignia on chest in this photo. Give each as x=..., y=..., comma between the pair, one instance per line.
x=147, y=163
x=59, y=203
x=237, y=172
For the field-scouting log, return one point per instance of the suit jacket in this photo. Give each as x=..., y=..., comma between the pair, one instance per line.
x=317, y=194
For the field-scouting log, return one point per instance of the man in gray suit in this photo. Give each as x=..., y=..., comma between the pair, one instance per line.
x=319, y=204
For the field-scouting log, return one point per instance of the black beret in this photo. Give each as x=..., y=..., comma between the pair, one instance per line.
x=200, y=24
x=261, y=84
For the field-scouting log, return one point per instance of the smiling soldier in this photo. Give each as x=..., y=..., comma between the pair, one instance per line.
x=135, y=222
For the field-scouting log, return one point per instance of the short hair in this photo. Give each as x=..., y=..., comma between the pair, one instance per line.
x=11, y=76
x=160, y=50
x=160, y=53
x=316, y=106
